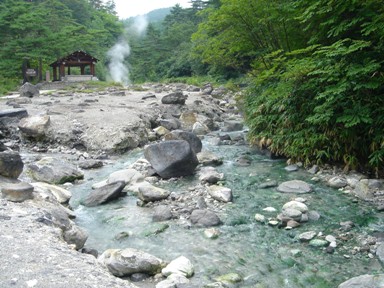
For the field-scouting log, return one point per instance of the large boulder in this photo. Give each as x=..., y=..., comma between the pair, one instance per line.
x=371, y=281
x=104, y=194
x=54, y=171
x=190, y=137
x=174, y=98
x=11, y=164
x=29, y=90
x=204, y=218
x=75, y=236
x=34, y=126
x=60, y=194
x=129, y=261
x=172, y=158
x=294, y=186
x=366, y=188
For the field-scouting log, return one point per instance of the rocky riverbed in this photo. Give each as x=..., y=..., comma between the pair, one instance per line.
x=62, y=133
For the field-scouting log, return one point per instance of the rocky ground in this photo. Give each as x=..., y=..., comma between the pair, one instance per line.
x=39, y=240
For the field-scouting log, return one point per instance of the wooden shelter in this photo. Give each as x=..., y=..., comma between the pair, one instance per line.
x=76, y=59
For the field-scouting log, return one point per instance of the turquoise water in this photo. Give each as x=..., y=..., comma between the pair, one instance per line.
x=261, y=254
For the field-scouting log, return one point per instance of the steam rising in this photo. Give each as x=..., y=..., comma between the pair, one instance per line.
x=118, y=69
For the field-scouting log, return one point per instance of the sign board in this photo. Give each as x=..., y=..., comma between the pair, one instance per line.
x=31, y=72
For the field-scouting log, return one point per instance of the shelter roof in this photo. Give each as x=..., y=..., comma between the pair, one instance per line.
x=76, y=58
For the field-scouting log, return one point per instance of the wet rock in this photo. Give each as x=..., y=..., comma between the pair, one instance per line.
x=121, y=236
x=90, y=164
x=371, y=281
x=104, y=194
x=268, y=184
x=290, y=213
x=230, y=278
x=34, y=126
x=346, y=225
x=294, y=186
x=259, y=218
x=313, y=215
x=150, y=193
x=204, y=218
x=207, y=158
x=54, y=171
x=129, y=261
x=230, y=126
x=11, y=164
x=174, y=98
x=172, y=158
x=180, y=265
x=128, y=176
x=314, y=169
x=17, y=192
x=243, y=161
x=307, y=236
x=75, y=236
x=292, y=224
x=291, y=168
x=60, y=194
x=269, y=209
x=210, y=175
x=190, y=137
x=200, y=203
x=29, y=90
x=161, y=131
x=162, y=213
x=337, y=182
x=220, y=193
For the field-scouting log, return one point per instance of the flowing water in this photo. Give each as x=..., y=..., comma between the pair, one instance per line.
x=264, y=256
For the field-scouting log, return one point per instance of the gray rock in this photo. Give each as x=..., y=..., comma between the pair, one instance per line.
x=291, y=213
x=90, y=164
x=291, y=168
x=14, y=113
x=150, y=193
x=17, y=192
x=220, y=193
x=174, y=98
x=162, y=213
x=230, y=126
x=307, y=236
x=129, y=261
x=366, y=188
x=173, y=280
x=294, y=186
x=337, y=182
x=212, y=233
x=314, y=169
x=200, y=129
x=204, y=218
x=243, y=161
x=180, y=265
x=60, y=194
x=172, y=158
x=75, y=236
x=34, y=126
x=128, y=176
x=318, y=243
x=170, y=124
x=313, y=215
x=11, y=164
x=54, y=171
x=190, y=137
x=29, y=90
x=371, y=281
x=268, y=184
x=207, y=158
x=380, y=252
x=210, y=175
x=104, y=194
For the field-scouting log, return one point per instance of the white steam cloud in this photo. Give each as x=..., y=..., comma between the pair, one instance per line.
x=118, y=69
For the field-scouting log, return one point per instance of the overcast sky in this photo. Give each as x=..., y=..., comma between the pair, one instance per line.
x=128, y=8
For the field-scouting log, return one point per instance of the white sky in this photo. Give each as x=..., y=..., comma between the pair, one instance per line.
x=128, y=8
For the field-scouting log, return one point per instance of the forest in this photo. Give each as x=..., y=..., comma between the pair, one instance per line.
x=313, y=69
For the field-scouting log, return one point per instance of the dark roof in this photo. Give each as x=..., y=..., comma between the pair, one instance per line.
x=77, y=58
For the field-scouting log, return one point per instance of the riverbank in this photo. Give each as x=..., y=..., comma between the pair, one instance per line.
x=79, y=130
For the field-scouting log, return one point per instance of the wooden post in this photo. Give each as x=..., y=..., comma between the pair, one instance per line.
x=69, y=70
x=62, y=71
x=40, y=70
x=54, y=73
x=82, y=69
x=92, y=69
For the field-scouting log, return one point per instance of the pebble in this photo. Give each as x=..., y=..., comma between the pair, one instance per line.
x=270, y=209
x=260, y=218
x=273, y=222
x=318, y=243
x=212, y=233
x=307, y=236
x=330, y=238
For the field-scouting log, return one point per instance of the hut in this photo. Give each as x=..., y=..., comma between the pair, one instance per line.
x=76, y=59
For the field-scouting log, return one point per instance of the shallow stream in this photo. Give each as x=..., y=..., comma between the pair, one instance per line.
x=263, y=255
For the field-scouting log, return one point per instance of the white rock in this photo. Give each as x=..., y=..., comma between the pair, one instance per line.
x=62, y=195
x=260, y=218
x=220, y=193
x=180, y=265
x=269, y=209
x=172, y=281
x=307, y=236
x=129, y=176
x=296, y=205
x=330, y=238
